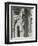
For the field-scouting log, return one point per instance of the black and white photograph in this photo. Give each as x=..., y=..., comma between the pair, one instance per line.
x=22, y=22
